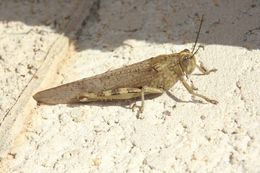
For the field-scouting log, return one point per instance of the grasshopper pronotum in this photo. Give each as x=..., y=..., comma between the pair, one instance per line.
x=151, y=76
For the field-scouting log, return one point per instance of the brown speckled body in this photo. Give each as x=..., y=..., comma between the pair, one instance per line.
x=161, y=72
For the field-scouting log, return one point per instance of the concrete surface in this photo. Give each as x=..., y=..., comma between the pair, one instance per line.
x=176, y=135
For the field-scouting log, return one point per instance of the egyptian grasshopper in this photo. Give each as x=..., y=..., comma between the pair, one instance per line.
x=151, y=76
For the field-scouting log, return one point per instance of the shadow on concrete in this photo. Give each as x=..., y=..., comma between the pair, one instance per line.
x=111, y=22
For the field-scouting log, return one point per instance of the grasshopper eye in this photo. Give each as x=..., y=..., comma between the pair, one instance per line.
x=186, y=58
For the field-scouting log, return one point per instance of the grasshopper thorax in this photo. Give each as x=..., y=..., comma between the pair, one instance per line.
x=187, y=61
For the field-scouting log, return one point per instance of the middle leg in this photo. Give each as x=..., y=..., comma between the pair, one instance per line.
x=204, y=70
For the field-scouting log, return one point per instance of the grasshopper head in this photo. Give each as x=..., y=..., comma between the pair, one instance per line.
x=187, y=61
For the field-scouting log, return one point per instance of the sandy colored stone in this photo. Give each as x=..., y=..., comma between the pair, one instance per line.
x=174, y=136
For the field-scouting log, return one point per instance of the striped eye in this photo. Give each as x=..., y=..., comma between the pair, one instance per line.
x=186, y=58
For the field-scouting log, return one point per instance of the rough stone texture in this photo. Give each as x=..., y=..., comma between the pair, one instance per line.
x=176, y=135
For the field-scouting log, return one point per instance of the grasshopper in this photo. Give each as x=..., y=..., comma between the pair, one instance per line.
x=149, y=77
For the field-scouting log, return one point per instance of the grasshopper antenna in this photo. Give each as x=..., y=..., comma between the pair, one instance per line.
x=197, y=38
